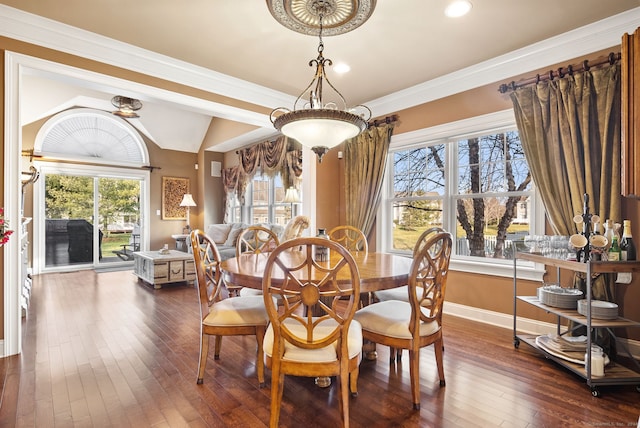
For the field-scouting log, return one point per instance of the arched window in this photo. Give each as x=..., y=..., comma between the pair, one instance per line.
x=93, y=136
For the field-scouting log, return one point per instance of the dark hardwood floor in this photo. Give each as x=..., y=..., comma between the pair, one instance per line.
x=102, y=350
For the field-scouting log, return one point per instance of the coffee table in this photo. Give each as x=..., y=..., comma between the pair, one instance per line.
x=158, y=268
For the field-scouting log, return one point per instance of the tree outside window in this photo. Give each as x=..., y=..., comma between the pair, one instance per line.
x=478, y=188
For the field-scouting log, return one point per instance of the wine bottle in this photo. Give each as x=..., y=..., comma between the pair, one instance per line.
x=614, y=250
x=627, y=246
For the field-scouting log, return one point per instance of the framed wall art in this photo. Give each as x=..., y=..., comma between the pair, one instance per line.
x=173, y=190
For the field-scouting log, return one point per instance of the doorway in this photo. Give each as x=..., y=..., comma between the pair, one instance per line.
x=88, y=217
x=90, y=220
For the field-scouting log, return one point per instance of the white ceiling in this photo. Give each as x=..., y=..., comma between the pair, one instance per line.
x=399, y=58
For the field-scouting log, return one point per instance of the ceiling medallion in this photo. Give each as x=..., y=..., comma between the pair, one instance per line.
x=338, y=16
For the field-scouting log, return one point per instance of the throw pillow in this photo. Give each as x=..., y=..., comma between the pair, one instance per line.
x=233, y=234
x=219, y=232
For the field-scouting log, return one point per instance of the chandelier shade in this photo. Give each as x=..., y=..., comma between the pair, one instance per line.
x=320, y=127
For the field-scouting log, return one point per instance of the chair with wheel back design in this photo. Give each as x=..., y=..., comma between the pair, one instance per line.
x=413, y=325
x=255, y=240
x=221, y=315
x=352, y=238
x=402, y=293
x=313, y=333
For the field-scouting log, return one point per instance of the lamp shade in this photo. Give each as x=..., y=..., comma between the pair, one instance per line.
x=187, y=201
x=291, y=196
x=322, y=127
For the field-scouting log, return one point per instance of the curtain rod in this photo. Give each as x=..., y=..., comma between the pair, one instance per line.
x=561, y=72
x=386, y=121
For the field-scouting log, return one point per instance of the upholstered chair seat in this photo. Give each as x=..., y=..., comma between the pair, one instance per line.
x=326, y=354
x=237, y=312
x=391, y=318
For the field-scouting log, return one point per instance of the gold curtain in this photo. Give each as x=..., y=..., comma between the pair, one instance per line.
x=292, y=172
x=365, y=163
x=570, y=132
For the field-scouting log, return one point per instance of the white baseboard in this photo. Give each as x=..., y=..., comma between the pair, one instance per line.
x=525, y=325
x=1, y=348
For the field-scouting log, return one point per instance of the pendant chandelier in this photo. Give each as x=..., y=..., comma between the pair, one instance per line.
x=322, y=120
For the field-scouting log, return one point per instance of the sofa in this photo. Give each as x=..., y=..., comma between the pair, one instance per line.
x=225, y=235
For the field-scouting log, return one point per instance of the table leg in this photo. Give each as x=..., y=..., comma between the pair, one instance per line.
x=369, y=350
x=323, y=381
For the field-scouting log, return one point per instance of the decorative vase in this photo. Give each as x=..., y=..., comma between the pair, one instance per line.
x=322, y=253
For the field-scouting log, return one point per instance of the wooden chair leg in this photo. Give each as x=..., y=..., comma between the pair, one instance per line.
x=260, y=331
x=344, y=396
x=414, y=374
x=439, y=349
x=216, y=354
x=353, y=381
x=204, y=351
x=277, y=386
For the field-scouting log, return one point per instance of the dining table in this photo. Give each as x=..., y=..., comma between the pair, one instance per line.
x=378, y=271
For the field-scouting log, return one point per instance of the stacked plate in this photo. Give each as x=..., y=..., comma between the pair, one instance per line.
x=559, y=297
x=600, y=309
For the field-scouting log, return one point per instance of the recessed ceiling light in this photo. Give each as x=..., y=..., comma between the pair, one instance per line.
x=458, y=8
x=341, y=68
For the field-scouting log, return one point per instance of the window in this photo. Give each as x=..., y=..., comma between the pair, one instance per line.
x=264, y=201
x=473, y=180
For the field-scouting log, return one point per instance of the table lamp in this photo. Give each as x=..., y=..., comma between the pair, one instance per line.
x=187, y=201
x=292, y=197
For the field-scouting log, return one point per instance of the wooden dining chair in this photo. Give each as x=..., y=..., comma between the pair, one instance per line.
x=313, y=334
x=402, y=293
x=352, y=238
x=254, y=240
x=412, y=325
x=220, y=315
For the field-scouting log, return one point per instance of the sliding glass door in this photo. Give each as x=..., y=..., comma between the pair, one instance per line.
x=90, y=218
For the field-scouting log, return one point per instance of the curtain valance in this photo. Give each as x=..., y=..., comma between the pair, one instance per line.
x=282, y=156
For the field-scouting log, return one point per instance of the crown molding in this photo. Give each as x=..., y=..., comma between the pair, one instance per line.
x=51, y=34
x=582, y=41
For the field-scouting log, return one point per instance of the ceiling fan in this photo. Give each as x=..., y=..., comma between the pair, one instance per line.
x=126, y=107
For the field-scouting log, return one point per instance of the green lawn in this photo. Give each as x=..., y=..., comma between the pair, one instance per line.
x=406, y=239
x=114, y=241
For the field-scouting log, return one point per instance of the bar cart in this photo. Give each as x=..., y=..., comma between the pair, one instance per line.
x=616, y=373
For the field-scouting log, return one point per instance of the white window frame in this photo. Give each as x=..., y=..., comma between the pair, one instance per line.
x=247, y=210
x=486, y=124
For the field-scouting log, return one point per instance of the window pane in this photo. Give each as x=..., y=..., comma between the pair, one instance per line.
x=491, y=163
x=479, y=221
x=419, y=172
x=260, y=190
x=411, y=218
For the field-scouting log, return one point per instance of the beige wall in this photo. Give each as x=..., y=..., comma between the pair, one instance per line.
x=481, y=291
